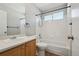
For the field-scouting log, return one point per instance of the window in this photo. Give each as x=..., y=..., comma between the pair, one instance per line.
x=48, y=17
x=55, y=16
x=58, y=16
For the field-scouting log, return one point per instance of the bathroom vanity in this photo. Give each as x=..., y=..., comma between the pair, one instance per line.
x=18, y=47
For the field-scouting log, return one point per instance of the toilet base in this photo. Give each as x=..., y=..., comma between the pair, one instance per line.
x=41, y=53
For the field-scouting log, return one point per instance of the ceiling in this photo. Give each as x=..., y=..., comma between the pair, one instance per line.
x=47, y=6
x=20, y=7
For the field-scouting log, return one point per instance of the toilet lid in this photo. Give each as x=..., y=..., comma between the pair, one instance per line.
x=41, y=44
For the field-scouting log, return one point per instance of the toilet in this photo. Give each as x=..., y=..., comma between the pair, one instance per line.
x=41, y=46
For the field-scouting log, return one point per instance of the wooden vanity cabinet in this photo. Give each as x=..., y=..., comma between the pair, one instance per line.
x=26, y=49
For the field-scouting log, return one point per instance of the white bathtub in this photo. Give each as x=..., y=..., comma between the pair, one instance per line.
x=53, y=47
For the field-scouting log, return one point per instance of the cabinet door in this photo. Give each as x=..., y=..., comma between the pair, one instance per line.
x=21, y=50
x=31, y=48
x=27, y=50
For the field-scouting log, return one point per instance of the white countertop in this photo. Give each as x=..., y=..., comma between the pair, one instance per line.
x=10, y=43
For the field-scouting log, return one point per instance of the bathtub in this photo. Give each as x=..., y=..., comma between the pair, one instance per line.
x=55, y=48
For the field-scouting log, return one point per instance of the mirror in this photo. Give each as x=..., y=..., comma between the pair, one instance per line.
x=12, y=19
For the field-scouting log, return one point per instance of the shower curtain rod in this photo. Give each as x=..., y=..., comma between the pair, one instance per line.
x=53, y=10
